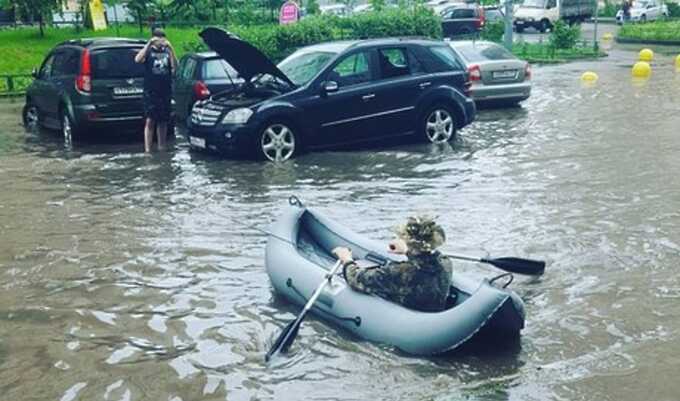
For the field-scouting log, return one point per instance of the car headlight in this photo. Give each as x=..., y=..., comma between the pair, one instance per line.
x=238, y=116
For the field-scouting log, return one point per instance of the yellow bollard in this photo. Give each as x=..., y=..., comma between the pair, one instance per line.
x=607, y=37
x=641, y=69
x=646, y=55
x=589, y=77
x=677, y=63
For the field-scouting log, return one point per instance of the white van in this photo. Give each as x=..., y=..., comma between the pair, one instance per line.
x=542, y=14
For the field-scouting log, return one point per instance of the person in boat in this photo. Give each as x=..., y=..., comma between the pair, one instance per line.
x=422, y=282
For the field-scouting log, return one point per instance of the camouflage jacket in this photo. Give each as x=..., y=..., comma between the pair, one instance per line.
x=422, y=282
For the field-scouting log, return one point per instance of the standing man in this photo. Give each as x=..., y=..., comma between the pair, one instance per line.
x=160, y=63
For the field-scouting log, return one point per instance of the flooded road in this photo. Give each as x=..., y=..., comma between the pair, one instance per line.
x=127, y=277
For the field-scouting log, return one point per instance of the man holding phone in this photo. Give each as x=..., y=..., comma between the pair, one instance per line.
x=160, y=63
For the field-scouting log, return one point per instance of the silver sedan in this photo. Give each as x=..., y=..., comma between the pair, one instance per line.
x=495, y=73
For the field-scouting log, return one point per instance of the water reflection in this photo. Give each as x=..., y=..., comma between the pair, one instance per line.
x=132, y=277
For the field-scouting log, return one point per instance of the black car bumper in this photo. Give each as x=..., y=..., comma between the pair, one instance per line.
x=87, y=118
x=229, y=140
x=470, y=111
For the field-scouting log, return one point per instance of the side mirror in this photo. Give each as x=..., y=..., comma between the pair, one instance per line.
x=330, y=87
x=34, y=73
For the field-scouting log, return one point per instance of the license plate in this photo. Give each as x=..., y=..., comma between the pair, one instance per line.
x=519, y=22
x=504, y=74
x=128, y=91
x=197, y=142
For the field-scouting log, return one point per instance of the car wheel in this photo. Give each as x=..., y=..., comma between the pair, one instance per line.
x=278, y=142
x=643, y=19
x=545, y=25
x=519, y=29
x=439, y=125
x=31, y=117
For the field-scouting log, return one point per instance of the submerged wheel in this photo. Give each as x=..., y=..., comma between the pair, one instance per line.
x=31, y=117
x=439, y=125
x=278, y=142
x=66, y=127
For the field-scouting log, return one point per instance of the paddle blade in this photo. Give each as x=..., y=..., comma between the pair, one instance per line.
x=285, y=339
x=518, y=265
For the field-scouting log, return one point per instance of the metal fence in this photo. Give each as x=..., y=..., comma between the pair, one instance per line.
x=14, y=85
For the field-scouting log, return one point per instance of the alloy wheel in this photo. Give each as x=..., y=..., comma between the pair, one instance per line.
x=278, y=143
x=439, y=126
x=31, y=118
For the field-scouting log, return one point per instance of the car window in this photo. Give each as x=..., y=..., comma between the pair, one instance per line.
x=302, y=66
x=116, y=63
x=464, y=13
x=218, y=69
x=551, y=4
x=352, y=70
x=442, y=58
x=476, y=52
x=187, y=69
x=46, y=69
x=393, y=63
x=66, y=63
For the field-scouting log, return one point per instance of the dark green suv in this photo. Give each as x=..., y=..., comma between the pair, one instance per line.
x=86, y=86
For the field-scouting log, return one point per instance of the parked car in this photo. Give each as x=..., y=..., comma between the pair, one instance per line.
x=495, y=73
x=340, y=10
x=85, y=85
x=542, y=14
x=462, y=19
x=200, y=75
x=643, y=11
x=332, y=94
x=493, y=14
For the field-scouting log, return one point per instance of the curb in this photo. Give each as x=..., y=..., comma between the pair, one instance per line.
x=648, y=42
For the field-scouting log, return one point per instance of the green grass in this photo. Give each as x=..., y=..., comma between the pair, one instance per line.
x=23, y=49
x=658, y=30
x=543, y=53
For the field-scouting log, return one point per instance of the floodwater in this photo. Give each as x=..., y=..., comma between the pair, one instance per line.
x=126, y=277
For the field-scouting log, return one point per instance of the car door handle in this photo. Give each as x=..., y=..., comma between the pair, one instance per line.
x=425, y=85
x=368, y=97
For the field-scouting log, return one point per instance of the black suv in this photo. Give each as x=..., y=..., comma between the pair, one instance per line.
x=87, y=84
x=332, y=94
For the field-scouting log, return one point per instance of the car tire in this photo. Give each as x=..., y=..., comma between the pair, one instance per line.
x=439, y=124
x=643, y=19
x=519, y=29
x=278, y=142
x=545, y=25
x=31, y=117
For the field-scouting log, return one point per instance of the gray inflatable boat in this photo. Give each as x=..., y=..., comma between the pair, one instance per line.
x=298, y=256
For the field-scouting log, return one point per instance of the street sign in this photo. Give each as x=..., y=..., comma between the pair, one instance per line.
x=97, y=15
x=290, y=13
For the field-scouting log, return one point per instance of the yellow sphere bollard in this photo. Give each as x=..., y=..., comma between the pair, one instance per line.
x=607, y=37
x=677, y=63
x=646, y=55
x=589, y=77
x=642, y=69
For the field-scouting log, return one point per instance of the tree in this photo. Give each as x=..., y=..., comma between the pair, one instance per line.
x=313, y=7
x=377, y=5
x=40, y=10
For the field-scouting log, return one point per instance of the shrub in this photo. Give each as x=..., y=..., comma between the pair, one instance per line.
x=673, y=9
x=563, y=36
x=493, y=31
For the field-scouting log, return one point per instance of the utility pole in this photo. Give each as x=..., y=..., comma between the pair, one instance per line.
x=507, y=36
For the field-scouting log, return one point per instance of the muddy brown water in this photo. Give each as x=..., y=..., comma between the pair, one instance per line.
x=125, y=277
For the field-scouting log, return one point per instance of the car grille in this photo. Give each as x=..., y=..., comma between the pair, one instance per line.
x=205, y=114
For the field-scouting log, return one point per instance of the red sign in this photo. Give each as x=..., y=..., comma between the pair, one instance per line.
x=290, y=13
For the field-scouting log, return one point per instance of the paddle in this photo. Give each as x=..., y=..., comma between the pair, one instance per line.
x=509, y=264
x=288, y=334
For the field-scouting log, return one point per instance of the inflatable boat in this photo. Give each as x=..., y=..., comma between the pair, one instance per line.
x=298, y=258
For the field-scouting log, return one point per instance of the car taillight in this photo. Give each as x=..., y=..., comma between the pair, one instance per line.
x=84, y=78
x=475, y=73
x=201, y=90
x=482, y=19
x=527, y=72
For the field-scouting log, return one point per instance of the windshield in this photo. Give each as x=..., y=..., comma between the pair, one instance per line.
x=302, y=67
x=534, y=3
x=475, y=53
x=640, y=4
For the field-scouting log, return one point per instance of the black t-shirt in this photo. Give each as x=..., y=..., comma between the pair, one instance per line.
x=158, y=71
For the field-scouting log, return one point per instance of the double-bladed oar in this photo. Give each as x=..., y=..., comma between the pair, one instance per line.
x=509, y=264
x=288, y=334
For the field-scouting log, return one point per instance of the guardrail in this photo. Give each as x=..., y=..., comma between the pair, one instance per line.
x=14, y=85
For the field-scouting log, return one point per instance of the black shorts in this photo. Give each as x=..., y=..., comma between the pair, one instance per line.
x=157, y=106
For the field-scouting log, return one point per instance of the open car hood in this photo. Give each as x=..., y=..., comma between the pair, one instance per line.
x=247, y=60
